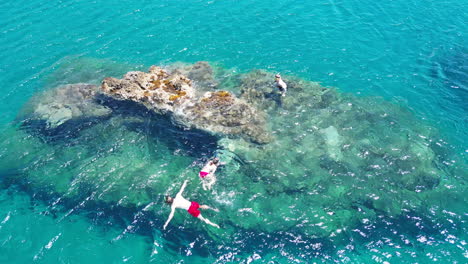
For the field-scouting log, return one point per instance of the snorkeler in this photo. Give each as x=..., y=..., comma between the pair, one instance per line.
x=207, y=174
x=281, y=85
x=191, y=207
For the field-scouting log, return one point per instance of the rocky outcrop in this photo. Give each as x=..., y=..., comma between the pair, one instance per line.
x=201, y=73
x=351, y=160
x=173, y=94
x=222, y=112
x=157, y=90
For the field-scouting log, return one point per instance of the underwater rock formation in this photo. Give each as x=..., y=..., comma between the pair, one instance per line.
x=173, y=94
x=64, y=103
x=337, y=160
x=365, y=154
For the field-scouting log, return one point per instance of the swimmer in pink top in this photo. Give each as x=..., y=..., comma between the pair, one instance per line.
x=207, y=173
x=192, y=208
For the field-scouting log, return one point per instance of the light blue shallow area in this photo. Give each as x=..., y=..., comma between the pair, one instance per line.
x=412, y=53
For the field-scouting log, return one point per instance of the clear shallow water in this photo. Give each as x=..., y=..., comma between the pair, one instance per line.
x=409, y=53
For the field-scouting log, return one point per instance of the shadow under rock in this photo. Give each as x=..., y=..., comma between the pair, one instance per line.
x=66, y=132
x=158, y=128
x=161, y=129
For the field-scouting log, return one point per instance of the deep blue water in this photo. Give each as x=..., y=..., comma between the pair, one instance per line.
x=410, y=53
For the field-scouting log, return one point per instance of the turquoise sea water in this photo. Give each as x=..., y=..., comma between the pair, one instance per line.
x=92, y=193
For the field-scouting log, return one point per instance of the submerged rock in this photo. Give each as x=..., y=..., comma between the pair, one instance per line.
x=257, y=89
x=362, y=154
x=64, y=103
x=333, y=141
x=173, y=94
x=336, y=161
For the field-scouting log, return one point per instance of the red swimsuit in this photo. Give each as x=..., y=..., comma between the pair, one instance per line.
x=193, y=209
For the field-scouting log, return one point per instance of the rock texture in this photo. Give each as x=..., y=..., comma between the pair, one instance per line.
x=157, y=90
x=72, y=101
x=349, y=160
x=201, y=73
x=173, y=94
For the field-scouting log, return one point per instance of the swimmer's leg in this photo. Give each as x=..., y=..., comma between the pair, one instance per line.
x=208, y=181
x=283, y=91
x=206, y=207
x=211, y=181
x=207, y=221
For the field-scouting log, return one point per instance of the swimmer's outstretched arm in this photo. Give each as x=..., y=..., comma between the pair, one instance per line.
x=170, y=217
x=207, y=221
x=182, y=188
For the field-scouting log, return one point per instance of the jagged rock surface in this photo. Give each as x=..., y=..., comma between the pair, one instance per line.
x=173, y=93
x=201, y=73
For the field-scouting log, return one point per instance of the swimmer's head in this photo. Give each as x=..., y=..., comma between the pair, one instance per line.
x=277, y=76
x=168, y=199
x=216, y=160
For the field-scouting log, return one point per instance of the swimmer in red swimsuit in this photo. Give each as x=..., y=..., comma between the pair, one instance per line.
x=192, y=208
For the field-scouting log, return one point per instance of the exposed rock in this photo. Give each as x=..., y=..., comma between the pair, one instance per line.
x=157, y=90
x=200, y=73
x=173, y=93
x=256, y=87
x=64, y=103
x=222, y=112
